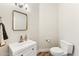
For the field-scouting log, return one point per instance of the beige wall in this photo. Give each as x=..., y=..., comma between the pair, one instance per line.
x=69, y=24
x=32, y=32
x=48, y=25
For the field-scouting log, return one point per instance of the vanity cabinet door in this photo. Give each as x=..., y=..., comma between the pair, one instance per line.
x=30, y=51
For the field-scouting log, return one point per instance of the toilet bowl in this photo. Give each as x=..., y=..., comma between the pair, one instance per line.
x=56, y=51
x=64, y=49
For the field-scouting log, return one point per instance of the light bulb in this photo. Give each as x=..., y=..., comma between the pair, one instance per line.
x=25, y=6
x=21, y=5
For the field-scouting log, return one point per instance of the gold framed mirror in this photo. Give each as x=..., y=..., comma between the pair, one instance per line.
x=19, y=21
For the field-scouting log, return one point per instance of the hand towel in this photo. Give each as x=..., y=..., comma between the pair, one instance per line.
x=5, y=36
x=2, y=41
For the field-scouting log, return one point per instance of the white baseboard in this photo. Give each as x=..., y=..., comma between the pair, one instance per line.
x=42, y=50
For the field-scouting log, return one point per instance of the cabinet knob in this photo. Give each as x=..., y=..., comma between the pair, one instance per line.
x=21, y=54
x=32, y=48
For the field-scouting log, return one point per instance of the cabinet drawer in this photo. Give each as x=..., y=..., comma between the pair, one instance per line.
x=27, y=51
x=30, y=53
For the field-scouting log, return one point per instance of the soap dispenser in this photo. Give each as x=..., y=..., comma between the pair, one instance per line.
x=25, y=38
x=21, y=39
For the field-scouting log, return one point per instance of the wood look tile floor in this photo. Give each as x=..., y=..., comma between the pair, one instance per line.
x=43, y=54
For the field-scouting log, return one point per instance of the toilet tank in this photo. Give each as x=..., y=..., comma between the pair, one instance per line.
x=66, y=46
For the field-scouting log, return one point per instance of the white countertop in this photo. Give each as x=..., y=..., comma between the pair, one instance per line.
x=18, y=46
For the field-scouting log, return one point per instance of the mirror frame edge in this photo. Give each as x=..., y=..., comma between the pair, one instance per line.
x=13, y=20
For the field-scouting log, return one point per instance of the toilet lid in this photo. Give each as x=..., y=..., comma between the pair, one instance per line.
x=56, y=50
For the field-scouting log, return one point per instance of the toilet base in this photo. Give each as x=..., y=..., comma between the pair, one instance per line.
x=56, y=51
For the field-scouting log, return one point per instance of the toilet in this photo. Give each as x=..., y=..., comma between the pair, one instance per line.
x=64, y=49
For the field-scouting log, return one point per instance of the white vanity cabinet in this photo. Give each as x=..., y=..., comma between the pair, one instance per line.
x=26, y=48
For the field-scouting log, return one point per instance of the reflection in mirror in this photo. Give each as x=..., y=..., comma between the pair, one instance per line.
x=19, y=21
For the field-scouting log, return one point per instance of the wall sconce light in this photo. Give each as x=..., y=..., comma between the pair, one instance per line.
x=22, y=5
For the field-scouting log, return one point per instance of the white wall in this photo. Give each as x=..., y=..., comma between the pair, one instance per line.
x=6, y=14
x=48, y=28
x=69, y=24
x=33, y=22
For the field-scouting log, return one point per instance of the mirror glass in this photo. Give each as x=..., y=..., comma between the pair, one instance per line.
x=19, y=20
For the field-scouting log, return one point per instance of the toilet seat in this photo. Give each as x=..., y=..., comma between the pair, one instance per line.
x=56, y=51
